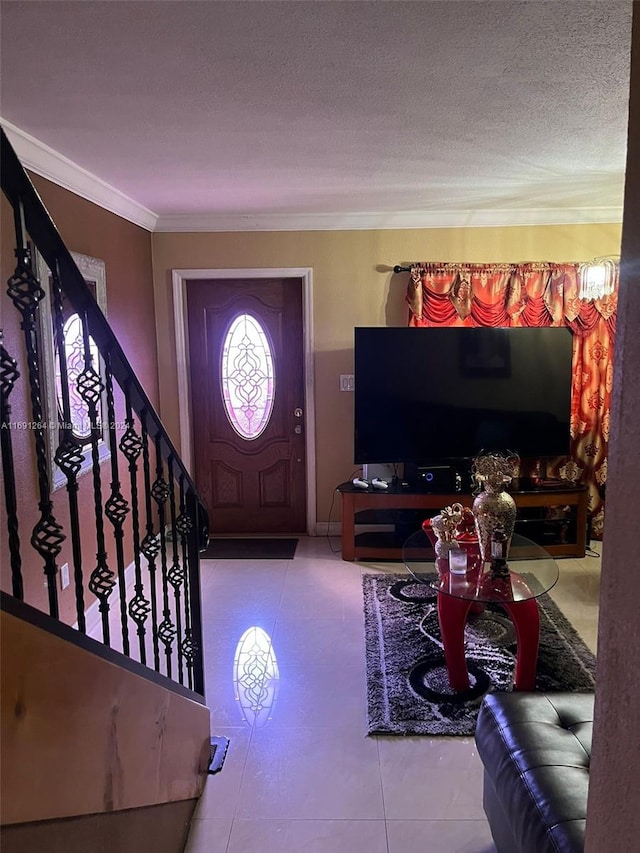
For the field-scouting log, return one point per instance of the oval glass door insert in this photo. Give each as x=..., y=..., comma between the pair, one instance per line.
x=247, y=376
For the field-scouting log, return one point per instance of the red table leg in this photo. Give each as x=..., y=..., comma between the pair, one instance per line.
x=452, y=615
x=526, y=620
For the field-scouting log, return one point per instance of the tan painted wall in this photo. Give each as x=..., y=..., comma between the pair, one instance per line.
x=613, y=818
x=353, y=286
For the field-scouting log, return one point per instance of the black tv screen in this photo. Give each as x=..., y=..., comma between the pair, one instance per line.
x=423, y=394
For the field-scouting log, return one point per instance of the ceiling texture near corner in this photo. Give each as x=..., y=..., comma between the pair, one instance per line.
x=234, y=115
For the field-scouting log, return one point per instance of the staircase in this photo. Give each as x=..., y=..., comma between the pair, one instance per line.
x=105, y=731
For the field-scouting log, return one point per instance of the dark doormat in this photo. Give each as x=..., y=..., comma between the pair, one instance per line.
x=250, y=549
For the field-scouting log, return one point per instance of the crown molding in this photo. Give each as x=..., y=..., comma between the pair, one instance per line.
x=50, y=164
x=38, y=157
x=388, y=221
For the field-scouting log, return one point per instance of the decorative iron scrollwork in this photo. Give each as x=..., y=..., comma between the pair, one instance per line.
x=23, y=287
x=102, y=581
x=188, y=648
x=166, y=632
x=47, y=537
x=139, y=609
x=175, y=575
x=90, y=386
x=160, y=490
x=69, y=458
x=116, y=509
x=154, y=495
x=9, y=373
x=150, y=546
x=131, y=443
x=184, y=525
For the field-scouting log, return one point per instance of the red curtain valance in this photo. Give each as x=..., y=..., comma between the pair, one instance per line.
x=532, y=294
x=537, y=294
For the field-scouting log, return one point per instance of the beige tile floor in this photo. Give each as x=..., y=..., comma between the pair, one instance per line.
x=300, y=773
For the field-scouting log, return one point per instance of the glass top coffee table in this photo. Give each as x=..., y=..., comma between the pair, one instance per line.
x=532, y=572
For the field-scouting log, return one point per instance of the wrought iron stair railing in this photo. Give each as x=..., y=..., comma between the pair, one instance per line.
x=139, y=508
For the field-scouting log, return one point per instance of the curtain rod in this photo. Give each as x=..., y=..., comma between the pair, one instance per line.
x=615, y=258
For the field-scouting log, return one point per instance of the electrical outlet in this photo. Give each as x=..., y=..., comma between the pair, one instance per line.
x=347, y=382
x=64, y=575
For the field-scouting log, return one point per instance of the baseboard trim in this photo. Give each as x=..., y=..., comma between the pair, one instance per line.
x=328, y=528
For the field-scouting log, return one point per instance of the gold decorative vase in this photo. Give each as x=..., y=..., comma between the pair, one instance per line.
x=493, y=508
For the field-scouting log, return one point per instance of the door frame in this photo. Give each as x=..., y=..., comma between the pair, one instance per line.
x=181, y=278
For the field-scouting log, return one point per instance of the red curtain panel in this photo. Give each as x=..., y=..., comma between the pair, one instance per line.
x=537, y=294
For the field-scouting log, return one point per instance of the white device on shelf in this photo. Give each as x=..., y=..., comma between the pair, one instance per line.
x=380, y=470
x=359, y=483
x=377, y=483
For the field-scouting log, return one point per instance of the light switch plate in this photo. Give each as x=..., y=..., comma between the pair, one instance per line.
x=347, y=382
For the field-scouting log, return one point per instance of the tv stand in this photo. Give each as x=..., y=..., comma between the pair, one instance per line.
x=395, y=513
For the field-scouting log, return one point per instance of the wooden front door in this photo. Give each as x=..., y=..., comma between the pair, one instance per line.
x=247, y=392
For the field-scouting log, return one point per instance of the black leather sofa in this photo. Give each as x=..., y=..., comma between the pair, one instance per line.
x=536, y=749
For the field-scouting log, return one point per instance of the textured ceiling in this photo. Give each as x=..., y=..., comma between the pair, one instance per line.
x=385, y=109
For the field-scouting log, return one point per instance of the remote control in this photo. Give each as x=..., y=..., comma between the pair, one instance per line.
x=360, y=483
x=377, y=483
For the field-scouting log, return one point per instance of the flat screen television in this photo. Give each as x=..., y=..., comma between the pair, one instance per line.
x=426, y=394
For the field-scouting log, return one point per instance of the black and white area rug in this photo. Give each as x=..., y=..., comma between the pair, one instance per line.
x=408, y=690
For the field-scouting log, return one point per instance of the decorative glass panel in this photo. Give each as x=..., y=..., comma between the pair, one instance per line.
x=256, y=676
x=74, y=352
x=247, y=376
x=93, y=272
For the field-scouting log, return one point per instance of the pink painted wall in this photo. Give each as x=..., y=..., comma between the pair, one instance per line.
x=126, y=250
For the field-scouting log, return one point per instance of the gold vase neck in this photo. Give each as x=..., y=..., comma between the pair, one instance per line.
x=494, y=482
x=495, y=470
